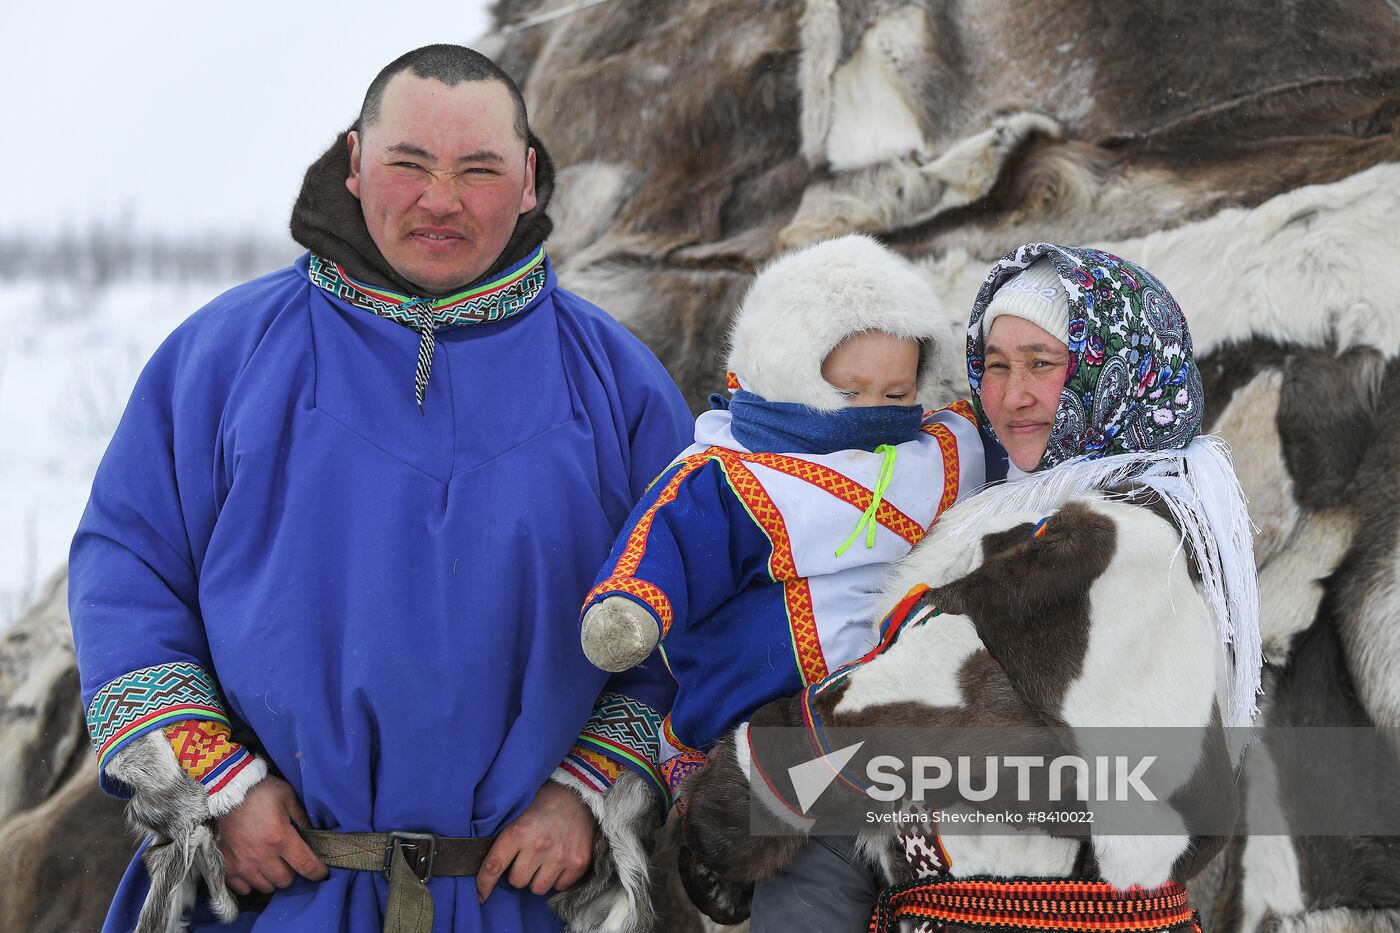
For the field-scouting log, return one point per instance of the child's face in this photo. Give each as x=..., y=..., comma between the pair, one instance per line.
x=874, y=368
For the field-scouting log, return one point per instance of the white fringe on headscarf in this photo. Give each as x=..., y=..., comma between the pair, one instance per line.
x=1199, y=486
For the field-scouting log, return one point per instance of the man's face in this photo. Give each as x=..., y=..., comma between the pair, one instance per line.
x=442, y=177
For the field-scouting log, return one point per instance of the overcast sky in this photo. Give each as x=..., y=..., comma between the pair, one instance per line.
x=186, y=117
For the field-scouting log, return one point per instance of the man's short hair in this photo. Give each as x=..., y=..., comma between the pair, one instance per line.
x=450, y=64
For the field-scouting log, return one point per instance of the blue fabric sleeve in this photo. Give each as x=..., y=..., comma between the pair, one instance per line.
x=624, y=729
x=659, y=424
x=688, y=546
x=133, y=568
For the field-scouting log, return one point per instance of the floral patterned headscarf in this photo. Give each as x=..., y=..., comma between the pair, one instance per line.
x=1132, y=383
x=1133, y=390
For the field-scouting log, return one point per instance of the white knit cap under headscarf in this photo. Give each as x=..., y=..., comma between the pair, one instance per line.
x=1035, y=295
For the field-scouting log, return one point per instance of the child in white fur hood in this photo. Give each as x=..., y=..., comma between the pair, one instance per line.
x=755, y=557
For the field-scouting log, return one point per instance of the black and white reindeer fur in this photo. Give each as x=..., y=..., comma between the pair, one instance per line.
x=1098, y=622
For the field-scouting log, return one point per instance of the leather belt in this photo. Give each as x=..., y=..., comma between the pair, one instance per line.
x=407, y=860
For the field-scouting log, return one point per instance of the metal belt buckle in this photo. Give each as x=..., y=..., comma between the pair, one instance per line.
x=418, y=851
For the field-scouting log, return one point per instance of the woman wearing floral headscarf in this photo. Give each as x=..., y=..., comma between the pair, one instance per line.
x=1104, y=350
x=1058, y=598
x=1127, y=381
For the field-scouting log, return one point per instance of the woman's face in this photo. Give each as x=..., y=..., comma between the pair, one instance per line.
x=1025, y=371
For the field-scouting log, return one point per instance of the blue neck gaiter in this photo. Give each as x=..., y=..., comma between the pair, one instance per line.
x=789, y=428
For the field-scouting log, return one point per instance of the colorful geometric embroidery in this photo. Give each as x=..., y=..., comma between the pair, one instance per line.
x=1033, y=905
x=207, y=753
x=649, y=593
x=671, y=737
x=494, y=301
x=627, y=732
x=508, y=295
x=829, y=480
x=150, y=698
x=962, y=407
x=948, y=446
x=797, y=592
x=679, y=767
x=592, y=768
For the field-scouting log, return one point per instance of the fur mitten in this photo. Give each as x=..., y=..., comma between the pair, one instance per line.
x=615, y=895
x=618, y=634
x=173, y=809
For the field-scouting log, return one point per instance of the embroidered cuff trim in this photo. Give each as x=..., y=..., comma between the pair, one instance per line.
x=149, y=699
x=206, y=752
x=591, y=768
x=621, y=733
x=579, y=781
x=236, y=781
x=649, y=595
x=679, y=767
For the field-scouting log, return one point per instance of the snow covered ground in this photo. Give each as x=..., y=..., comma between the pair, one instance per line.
x=69, y=356
x=184, y=122
x=187, y=121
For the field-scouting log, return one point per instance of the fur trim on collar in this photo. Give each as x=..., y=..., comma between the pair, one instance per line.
x=802, y=305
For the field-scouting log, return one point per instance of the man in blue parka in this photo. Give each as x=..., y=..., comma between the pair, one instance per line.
x=324, y=594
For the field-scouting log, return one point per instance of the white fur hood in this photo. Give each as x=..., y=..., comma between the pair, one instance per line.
x=804, y=303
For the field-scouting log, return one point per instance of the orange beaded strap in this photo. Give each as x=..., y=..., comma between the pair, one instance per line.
x=1026, y=904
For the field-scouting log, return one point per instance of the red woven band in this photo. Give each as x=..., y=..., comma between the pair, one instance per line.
x=1033, y=905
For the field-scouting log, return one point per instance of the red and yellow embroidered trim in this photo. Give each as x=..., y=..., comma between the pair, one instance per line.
x=200, y=747
x=952, y=465
x=622, y=580
x=962, y=407
x=833, y=482
x=649, y=593
x=206, y=752
x=685, y=762
x=604, y=765
x=670, y=736
x=797, y=593
x=782, y=567
x=592, y=768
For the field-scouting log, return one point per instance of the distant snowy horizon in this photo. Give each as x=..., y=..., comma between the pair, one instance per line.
x=68, y=363
x=151, y=163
